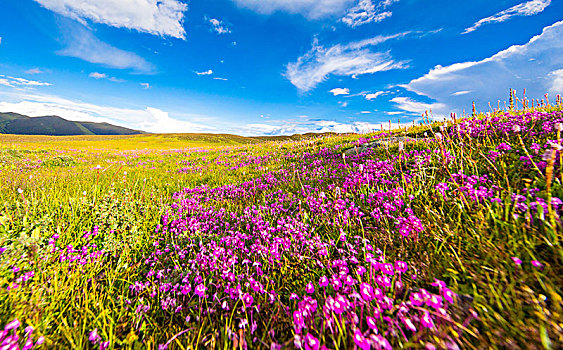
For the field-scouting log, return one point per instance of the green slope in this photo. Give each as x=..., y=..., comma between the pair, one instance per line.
x=14, y=123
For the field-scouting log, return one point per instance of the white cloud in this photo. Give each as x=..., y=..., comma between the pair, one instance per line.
x=207, y=72
x=84, y=45
x=351, y=59
x=147, y=119
x=529, y=8
x=9, y=81
x=34, y=71
x=557, y=85
x=464, y=92
x=342, y=128
x=219, y=78
x=312, y=9
x=308, y=126
x=97, y=75
x=409, y=105
x=375, y=95
x=145, y=86
x=218, y=26
x=366, y=12
x=489, y=79
x=159, y=17
x=340, y=91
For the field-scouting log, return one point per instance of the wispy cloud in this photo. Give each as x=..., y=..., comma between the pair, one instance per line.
x=530, y=66
x=529, y=8
x=207, y=72
x=312, y=9
x=340, y=91
x=82, y=44
x=33, y=71
x=463, y=92
x=159, y=17
x=218, y=26
x=351, y=59
x=9, y=81
x=97, y=75
x=366, y=11
x=145, y=86
x=375, y=95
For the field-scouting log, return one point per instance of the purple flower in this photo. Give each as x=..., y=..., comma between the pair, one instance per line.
x=371, y=323
x=186, y=289
x=366, y=291
x=311, y=343
x=401, y=266
x=361, y=341
x=310, y=288
x=200, y=290
x=94, y=337
x=426, y=320
x=247, y=299
x=537, y=263
x=517, y=261
x=298, y=320
x=12, y=325
x=439, y=284
x=323, y=282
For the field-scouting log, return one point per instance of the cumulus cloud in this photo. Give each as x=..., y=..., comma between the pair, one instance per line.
x=207, y=72
x=159, y=17
x=218, y=26
x=84, y=45
x=409, y=105
x=308, y=126
x=366, y=11
x=529, y=8
x=147, y=119
x=533, y=66
x=557, y=85
x=312, y=9
x=98, y=76
x=340, y=91
x=351, y=59
x=375, y=95
x=15, y=82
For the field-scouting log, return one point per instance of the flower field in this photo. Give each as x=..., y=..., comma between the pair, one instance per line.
x=440, y=235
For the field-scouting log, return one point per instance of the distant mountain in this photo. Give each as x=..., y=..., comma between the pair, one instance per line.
x=14, y=123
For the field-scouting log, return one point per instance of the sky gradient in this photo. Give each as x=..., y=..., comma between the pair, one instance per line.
x=270, y=67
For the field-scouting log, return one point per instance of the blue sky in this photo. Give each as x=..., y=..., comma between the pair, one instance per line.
x=257, y=67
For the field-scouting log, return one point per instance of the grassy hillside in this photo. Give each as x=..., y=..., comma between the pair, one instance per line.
x=448, y=238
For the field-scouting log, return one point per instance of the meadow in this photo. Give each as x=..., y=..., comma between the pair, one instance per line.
x=447, y=237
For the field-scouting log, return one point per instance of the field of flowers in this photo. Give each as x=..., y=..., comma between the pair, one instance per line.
x=443, y=235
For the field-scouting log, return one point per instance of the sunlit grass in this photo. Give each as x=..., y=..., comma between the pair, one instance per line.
x=132, y=206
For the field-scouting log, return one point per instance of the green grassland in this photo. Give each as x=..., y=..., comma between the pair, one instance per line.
x=124, y=185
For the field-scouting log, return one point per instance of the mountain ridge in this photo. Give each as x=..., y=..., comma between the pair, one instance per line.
x=52, y=125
